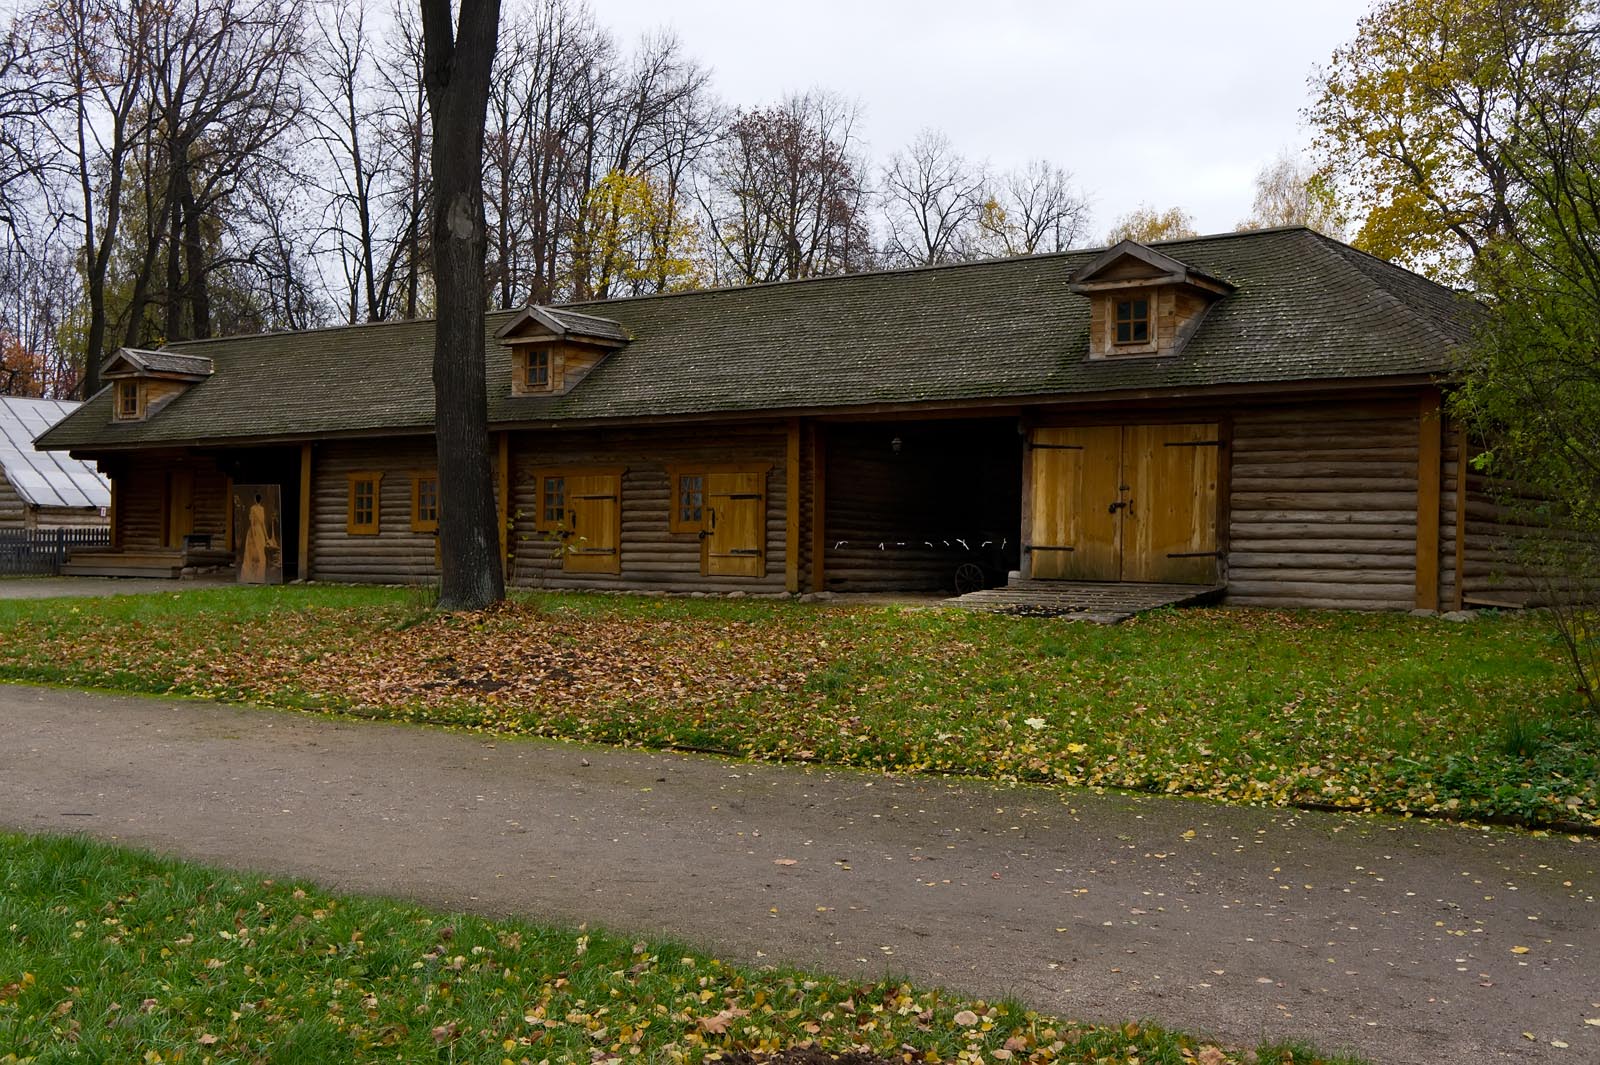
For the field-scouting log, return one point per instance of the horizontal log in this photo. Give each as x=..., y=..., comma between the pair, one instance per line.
x=1340, y=471
x=1336, y=436
x=1399, y=546
x=1311, y=500
x=1369, y=579
x=1304, y=601
x=1361, y=450
x=1330, y=588
x=1242, y=529
x=1342, y=495
x=1372, y=562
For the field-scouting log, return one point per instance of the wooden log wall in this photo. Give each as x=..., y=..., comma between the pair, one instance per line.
x=1492, y=575
x=808, y=510
x=142, y=499
x=66, y=518
x=1323, y=507
x=211, y=503
x=1449, y=485
x=892, y=520
x=13, y=512
x=141, y=505
x=652, y=557
x=396, y=555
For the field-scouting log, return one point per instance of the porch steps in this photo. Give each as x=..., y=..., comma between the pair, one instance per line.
x=1105, y=603
x=123, y=564
x=166, y=564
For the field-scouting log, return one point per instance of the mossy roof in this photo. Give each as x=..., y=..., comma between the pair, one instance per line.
x=1305, y=309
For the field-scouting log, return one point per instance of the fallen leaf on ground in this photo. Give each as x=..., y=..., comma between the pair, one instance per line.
x=718, y=1024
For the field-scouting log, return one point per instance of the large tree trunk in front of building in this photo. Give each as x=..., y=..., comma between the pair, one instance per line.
x=457, y=59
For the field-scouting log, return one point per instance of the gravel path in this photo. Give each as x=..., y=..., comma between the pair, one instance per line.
x=1395, y=939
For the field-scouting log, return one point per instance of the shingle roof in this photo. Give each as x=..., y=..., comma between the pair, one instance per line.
x=588, y=325
x=1306, y=308
x=45, y=478
x=165, y=361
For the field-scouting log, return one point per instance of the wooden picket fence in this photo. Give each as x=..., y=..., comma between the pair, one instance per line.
x=41, y=552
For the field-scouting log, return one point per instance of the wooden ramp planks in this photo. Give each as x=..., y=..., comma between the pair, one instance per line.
x=1104, y=602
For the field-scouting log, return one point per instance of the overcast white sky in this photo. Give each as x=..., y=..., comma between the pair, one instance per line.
x=1159, y=102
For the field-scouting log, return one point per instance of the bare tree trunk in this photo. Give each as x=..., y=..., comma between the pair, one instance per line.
x=173, y=321
x=456, y=71
x=198, y=286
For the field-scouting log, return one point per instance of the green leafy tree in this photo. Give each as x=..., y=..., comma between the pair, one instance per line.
x=1532, y=393
x=1532, y=388
x=1416, y=114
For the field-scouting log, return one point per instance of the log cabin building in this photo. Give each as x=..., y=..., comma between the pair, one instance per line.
x=1257, y=412
x=41, y=490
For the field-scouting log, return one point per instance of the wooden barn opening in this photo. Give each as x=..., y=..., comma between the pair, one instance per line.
x=269, y=466
x=921, y=506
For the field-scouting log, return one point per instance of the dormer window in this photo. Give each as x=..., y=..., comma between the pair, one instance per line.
x=1133, y=321
x=553, y=349
x=1143, y=302
x=536, y=370
x=143, y=382
x=129, y=406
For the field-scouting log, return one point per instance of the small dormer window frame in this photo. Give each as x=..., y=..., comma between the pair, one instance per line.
x=130, y=397
x=1112, y=345
x=536, y=370
x=1134, y=327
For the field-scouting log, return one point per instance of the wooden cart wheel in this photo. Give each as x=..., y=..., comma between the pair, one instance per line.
x=970, y=578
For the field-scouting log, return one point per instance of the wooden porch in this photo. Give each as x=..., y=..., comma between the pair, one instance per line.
x=154, y=562
x=1103, y=602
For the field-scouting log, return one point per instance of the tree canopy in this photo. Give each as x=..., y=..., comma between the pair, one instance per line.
x=1144, y=224
x=1291, y=192
x=1419, y=116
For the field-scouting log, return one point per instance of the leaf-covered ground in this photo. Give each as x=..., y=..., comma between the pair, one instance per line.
x=1350, y=711
x=116, y=956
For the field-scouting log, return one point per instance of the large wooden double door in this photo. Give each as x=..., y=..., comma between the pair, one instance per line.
x=1124, y=503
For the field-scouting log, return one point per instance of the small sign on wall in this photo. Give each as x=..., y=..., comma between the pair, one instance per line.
x=258, y=533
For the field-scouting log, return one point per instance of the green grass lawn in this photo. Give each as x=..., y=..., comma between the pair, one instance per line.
x=117, y=956
x=1343, y=710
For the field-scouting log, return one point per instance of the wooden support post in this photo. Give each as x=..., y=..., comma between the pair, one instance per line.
x=819, y=512
x=1224, y=498
x=227, y=513
x=1024, y=558
x=791, y=503
x=503, y=499
x=1430, y=431
x=305, y=512
x=112, y=512
x=1461, y=517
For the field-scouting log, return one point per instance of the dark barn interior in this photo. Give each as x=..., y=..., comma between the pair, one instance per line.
x=911, y=503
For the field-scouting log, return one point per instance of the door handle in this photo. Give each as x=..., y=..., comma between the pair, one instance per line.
x=1118, y=505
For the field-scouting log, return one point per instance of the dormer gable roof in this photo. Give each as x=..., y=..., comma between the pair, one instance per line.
x=555, y=323
x=139, y=362
x=1129, y=264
